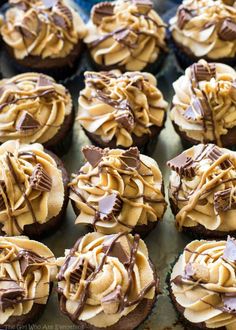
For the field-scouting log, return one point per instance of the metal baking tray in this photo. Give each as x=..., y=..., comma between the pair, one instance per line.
x=164, y=242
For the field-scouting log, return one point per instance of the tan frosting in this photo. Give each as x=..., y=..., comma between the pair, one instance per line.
x=200, y=34
x=220, y=93
x=115, y=105
x=202, y=298
x=15, y=211
x=32, y=28
x=195, y=196
x=141, y=37
x=45, y=100
x=113, y=275
x=138, y=190
x=35, y=283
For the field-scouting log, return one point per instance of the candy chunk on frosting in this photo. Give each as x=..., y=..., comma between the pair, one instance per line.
x=211, y=302
x=117, y=190
x=94, y=282
x=26, y=270
x=33, y=108
x=199, y=25
x=120, y=106
x=203, y=187
x=31, y=186
x=125, y=34
x=41, y=28
x=204, y=102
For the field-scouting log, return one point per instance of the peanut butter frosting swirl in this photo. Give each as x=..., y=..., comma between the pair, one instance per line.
x=203, y=188
x=203, y=283
x=207, y=28
x=116, y=105
x=33, y=108
x=97, y=275
x=26, y=270
x=125, y=33
x=31, y=186
x=117, y=190
x=204, y=104
x=45, y=28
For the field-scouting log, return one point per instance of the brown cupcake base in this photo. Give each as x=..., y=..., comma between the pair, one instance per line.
x=37, y=230
x=228, y=140
x=59, y=68
x=23, y=321
x=133, y=319
x=61, y=142
x=180, y=310
x=185, y=56
x=146, y=143
x=200, y=231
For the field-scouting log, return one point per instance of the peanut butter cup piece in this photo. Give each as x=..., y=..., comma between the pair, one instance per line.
x=126, y=120
x=8, y=297
x=26, y=122
x=131, y=157
x=197, y=272
x=109, y=205
x=93, y=154
x=40, y=180
x=101, y=10
x=229, y=302
x=223, y=200
x=29, y=261
x=183, y=165
x=49, y=3
x=76, y=274
x=127, y=38
x=184, y=16
x=120, y=249
x=203, y=72
x=227, y=30
x=144, y=6
x=230, y=249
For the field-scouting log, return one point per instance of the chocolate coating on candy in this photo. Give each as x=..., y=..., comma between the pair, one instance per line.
x=29, y=261
x=117, y=251
x=224, y=200
x=26, y=122
x=203, y=72
x=10, y=296
x=230, y=249
x=108, y=206
x=184, y=16
x=183, y=165
x=101, y=10
x=214, y=153
x=40, y=180
x=131, y=157
x=227, y=31
x=144, y=6
x=93, y=154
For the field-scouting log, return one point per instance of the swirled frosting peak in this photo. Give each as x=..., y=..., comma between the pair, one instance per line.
x=204, y=104
x=33, y=108
x=49, y=29
x=203, y=283
x=97, y=275
x=203, y=188
x=31, y=187
x=207, y=28
x=117, y=190
x=27, y=269
x=115, y=105
x=128, y=34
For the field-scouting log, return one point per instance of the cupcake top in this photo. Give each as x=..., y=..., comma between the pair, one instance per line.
x=95, y=279
x=118, y=106
x=125, y=33
x=203, y=187
x=207, y=28
x=31, y=185
x=26, y=270
x=117, y=190
x=204, y=104
x=204, y=285
x=33, y=108
x=45, y=28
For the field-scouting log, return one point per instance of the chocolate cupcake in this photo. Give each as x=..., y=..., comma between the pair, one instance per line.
x=27, y=269
x=118, y=190
x=121, y=110
x=204, y=29
x=126, y=35
x=203, y=286
x=204, y=105
x=43, y=36
x=34, y=108
x=33, y=190
x=107, y=282
x=202, y=191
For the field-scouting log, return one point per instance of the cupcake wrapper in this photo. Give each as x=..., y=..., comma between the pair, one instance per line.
x=63, y=147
